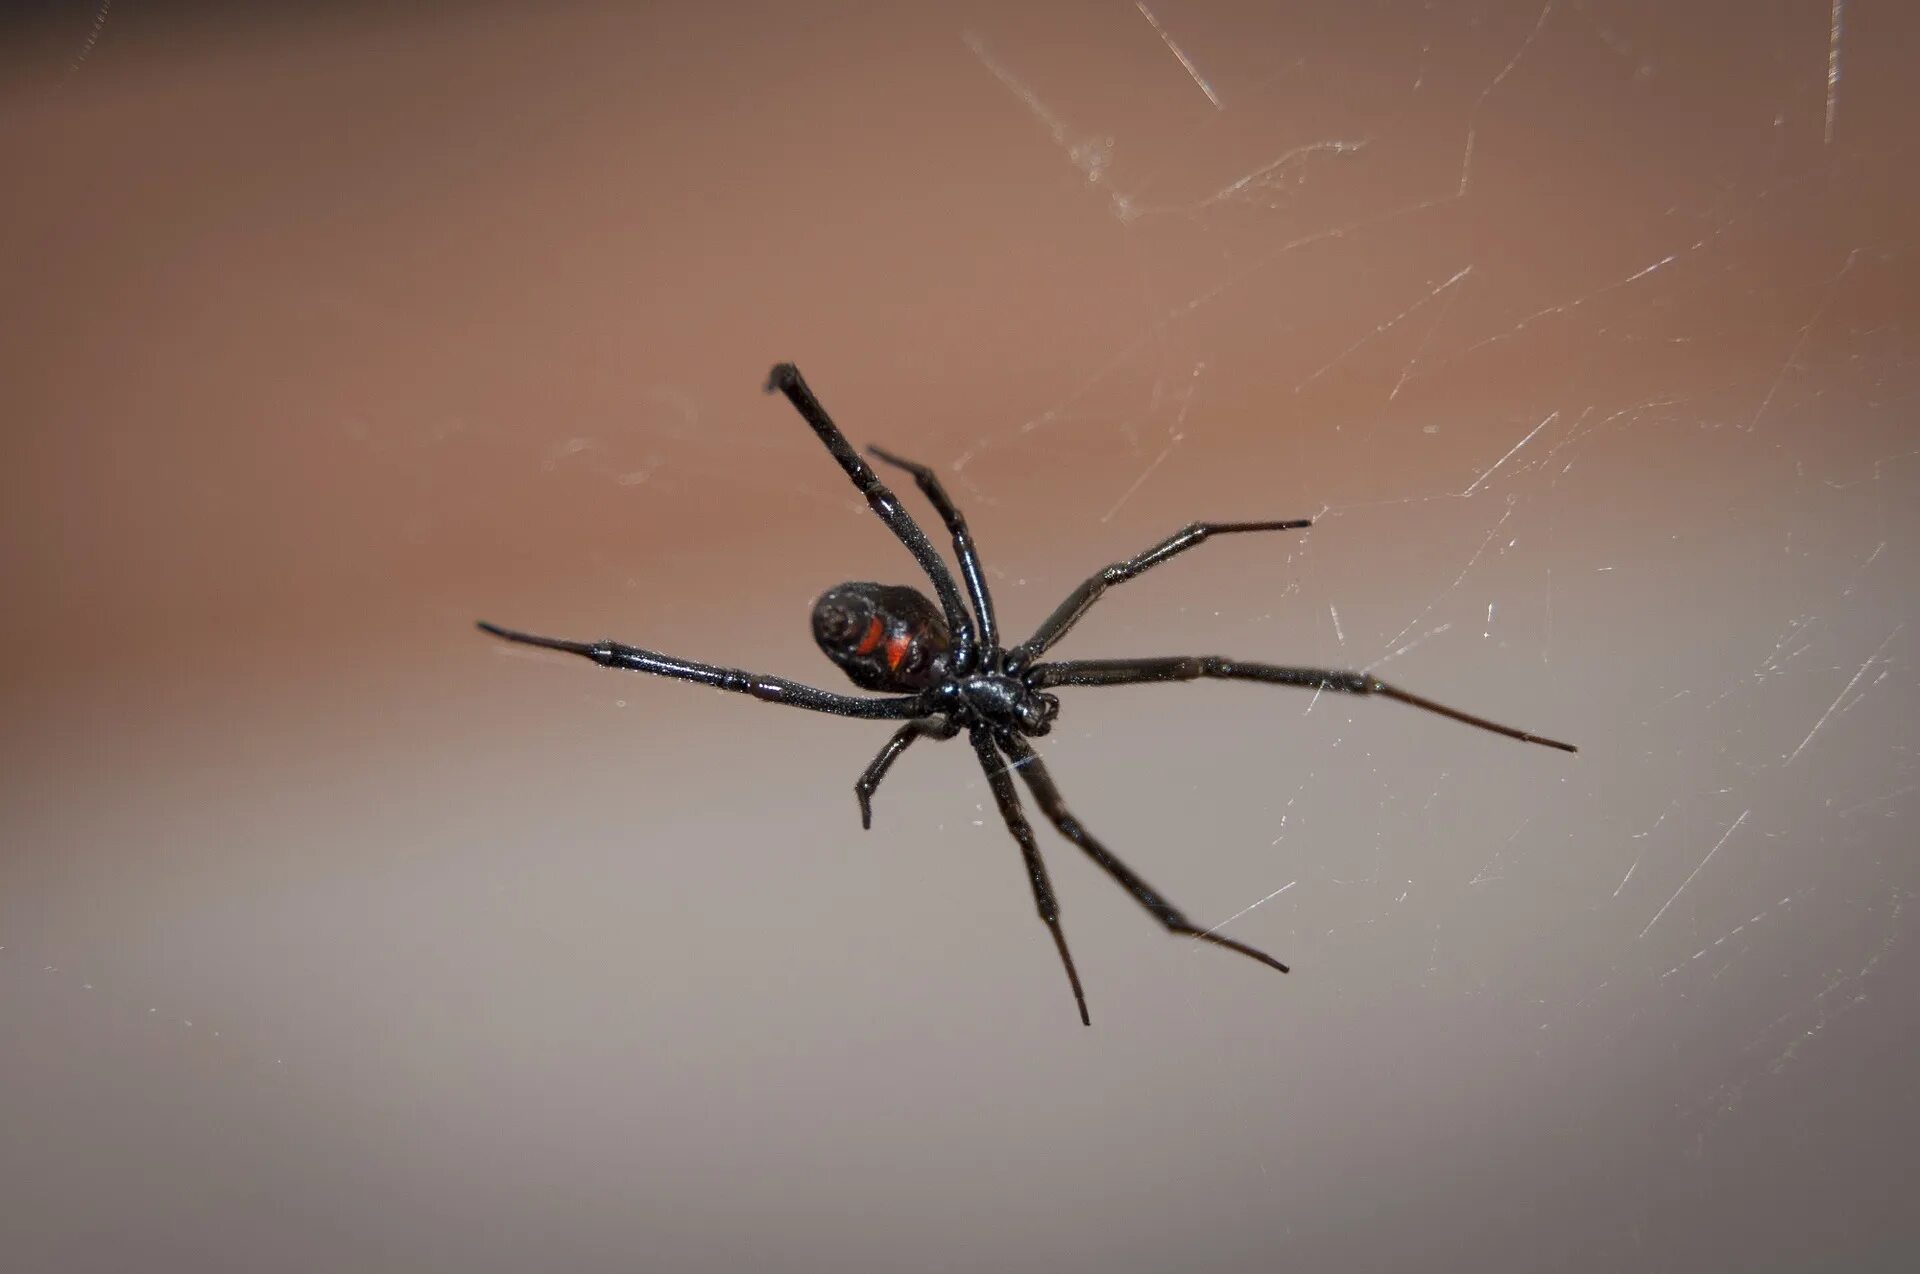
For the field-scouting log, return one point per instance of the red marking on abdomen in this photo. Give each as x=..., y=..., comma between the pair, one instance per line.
x=875, y=630
x=897, y=649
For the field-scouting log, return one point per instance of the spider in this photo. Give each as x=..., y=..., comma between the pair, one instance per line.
x=945, y=671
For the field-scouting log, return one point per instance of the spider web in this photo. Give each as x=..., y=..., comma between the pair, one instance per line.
x=1583, y=330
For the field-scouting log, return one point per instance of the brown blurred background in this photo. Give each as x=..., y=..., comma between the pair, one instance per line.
x=335, y=936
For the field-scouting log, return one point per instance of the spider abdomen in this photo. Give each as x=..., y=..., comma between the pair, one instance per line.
x=884, y=636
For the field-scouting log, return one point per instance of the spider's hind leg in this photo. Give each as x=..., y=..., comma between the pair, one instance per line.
x=613, y=654
x=1027, y=761
x=785, y=379
x=932, y=727
x=963, y=546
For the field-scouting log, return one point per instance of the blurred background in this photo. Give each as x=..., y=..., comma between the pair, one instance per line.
x=335, y=935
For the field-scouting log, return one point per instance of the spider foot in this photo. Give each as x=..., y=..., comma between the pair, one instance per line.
x=1252, y=953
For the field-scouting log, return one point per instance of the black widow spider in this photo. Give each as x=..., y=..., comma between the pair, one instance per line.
x=948, y=671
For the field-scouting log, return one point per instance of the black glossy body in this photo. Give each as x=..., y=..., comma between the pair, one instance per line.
x=885, y=637
x=945, y=672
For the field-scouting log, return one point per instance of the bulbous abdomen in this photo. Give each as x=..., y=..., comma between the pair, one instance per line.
x=883, y=636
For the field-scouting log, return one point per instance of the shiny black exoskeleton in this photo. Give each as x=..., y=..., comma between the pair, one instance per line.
x=947, y=672
x=892, y=637
x=884, y=636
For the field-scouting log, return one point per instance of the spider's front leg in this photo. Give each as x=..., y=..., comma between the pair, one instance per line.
x=1133, y=672
x=1009, y=801
x=869, y=781
x=1081, y=599
x=1054, y=806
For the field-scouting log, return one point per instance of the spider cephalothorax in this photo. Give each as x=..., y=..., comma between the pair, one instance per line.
x=891, y=637
x=998, y=701
x=948, y=673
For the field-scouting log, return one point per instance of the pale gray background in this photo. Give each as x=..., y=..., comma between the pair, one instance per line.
x=334, y=936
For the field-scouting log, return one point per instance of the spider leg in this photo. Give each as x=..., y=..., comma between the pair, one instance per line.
x=963, y=547
x=786, y=379
x=612, y=654
x=1078, y=602
x=936, y=727
x=1127, y=672
x=1027, y=761
x=1016, y=820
